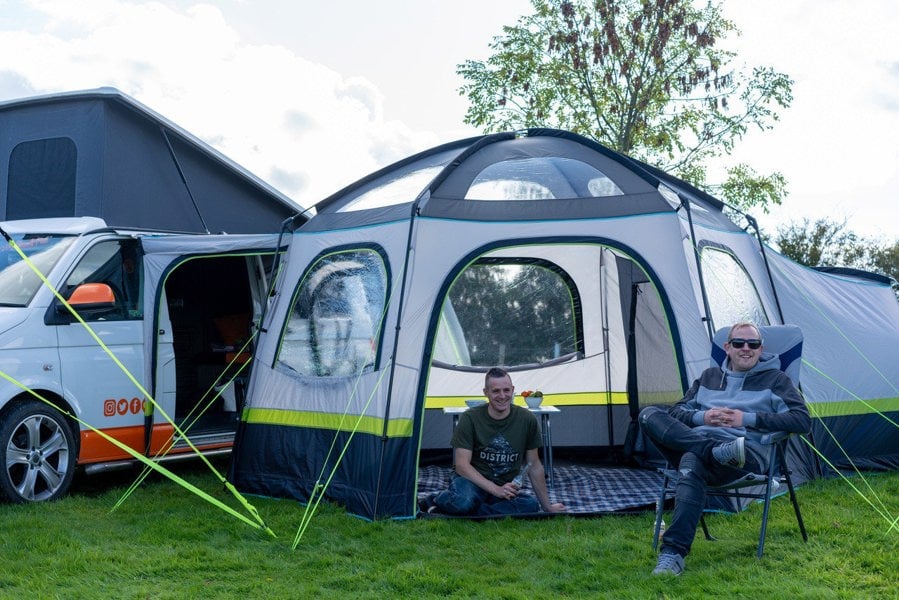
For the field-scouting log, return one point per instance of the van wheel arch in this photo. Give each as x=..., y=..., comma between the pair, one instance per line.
x=38, y=451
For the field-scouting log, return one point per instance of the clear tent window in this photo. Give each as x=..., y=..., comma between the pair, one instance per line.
x=336, y=316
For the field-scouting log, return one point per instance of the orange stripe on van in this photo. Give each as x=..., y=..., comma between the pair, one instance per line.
x=94, y=448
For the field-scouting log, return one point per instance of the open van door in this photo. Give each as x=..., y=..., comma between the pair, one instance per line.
x=209, y=309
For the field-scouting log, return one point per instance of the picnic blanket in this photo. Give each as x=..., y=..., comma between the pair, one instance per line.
x=584, y=489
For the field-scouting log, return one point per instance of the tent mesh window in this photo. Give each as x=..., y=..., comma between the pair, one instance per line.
x=509, y=314
x=732, y=295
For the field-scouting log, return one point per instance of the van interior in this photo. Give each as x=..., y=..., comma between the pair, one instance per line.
x=210, y=304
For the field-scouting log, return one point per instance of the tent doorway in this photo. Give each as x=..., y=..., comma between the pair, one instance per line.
x=583, y=323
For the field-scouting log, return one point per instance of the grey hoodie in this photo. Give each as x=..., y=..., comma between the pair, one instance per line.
x=767, y=397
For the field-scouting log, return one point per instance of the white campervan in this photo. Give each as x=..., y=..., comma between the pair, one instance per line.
x=177, y=311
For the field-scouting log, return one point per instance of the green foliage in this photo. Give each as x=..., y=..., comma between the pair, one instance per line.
x=744, y=188
x=822, y=243
x=647, y=78
x=826, y=242
x=165, y=543
x=885, y=259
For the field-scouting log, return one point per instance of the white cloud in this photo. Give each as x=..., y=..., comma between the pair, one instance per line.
x=836, y=144
x=301, y=126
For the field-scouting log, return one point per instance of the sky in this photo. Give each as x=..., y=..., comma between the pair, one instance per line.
x=310, y=95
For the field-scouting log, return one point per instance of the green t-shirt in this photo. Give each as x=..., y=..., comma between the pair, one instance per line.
x=497, y=447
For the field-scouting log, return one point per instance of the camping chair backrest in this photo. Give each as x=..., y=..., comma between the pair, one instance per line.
x=784, y=341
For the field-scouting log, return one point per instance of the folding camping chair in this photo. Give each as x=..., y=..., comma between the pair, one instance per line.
x=785, y=341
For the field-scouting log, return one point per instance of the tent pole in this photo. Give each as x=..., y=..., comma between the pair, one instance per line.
x=396, y=338
x=604, y=316
x=193, y=201
x=758, y=237
x=633, y=392
x=705, y=298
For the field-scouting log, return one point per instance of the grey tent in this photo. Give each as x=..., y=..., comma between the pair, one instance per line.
x=100, y=153
x=594, y=278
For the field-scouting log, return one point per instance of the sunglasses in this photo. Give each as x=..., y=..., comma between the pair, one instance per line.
x=740, y=342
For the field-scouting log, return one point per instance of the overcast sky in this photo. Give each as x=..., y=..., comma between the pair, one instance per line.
x=312, y=95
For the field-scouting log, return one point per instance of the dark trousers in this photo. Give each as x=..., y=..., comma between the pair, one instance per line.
x=691, y=451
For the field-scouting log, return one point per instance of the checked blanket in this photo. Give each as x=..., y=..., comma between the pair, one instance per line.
x=581, y=488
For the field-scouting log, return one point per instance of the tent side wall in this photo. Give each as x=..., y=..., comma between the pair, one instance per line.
x=27, y=158
x=850, y=374
x=296, y=426
x=140, y=180
x=300, y=431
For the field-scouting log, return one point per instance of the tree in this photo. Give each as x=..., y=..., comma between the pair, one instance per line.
x=822, y=243
x=885, y=260
x=644, y=77
x=828, y=243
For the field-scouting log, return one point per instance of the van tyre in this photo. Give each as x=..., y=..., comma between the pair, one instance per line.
x=37, y=453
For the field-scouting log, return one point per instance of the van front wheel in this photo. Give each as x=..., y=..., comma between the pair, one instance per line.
x=37, y=453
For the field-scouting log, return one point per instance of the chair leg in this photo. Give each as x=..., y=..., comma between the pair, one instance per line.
x=785, y=470
x=795, y=501
x=764, y=530
x=660, y=509
x=705, y=530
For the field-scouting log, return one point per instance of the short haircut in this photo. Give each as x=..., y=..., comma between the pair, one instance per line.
x=735, y=326
x=495, y=373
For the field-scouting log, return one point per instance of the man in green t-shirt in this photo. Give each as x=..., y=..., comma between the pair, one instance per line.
x=491, y=445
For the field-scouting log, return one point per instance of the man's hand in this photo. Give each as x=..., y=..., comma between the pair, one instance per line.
x=506, y=491
x=556, y=507
x=723, y=417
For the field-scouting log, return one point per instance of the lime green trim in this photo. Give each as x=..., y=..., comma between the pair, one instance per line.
x=317, y=420
x=573, y=399
x=846, y=408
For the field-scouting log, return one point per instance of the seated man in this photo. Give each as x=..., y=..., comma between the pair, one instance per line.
x=713, y=433
x=491, y=444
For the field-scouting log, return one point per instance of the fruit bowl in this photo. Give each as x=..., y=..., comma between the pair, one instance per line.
x=474, y=402
x=533, y=401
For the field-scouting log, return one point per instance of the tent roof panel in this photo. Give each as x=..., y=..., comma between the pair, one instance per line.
x=532, y=174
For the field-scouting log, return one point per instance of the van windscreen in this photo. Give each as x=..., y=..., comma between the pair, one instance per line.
x=18, y=279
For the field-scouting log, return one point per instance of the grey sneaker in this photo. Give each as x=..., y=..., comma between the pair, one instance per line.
x=731, y=454
x=669, y=564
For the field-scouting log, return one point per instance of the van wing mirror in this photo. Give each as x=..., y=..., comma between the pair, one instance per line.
x=90, y=299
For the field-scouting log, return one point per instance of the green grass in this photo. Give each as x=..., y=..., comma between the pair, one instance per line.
x=166, y=543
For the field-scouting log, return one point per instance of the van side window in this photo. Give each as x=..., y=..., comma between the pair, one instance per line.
x=117, y=264
x=336, y=317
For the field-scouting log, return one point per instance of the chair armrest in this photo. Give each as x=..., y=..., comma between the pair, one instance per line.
x=775, y=437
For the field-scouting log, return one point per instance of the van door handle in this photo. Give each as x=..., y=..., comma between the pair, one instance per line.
x=162, y=332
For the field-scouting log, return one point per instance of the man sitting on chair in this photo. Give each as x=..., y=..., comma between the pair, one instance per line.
x=713, y=433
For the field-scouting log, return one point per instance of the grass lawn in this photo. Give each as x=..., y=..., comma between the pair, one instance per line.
x=167, y=543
